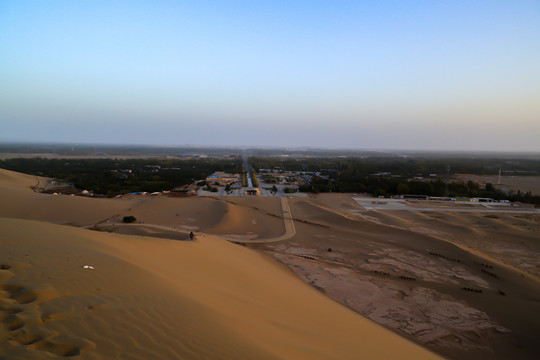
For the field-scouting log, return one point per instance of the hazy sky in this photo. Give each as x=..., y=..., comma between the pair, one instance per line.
x=441, y=75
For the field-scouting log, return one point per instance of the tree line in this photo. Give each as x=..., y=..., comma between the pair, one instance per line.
x=114, y=177
x=387, y=176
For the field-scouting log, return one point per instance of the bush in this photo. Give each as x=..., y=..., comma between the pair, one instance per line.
x=129, y=219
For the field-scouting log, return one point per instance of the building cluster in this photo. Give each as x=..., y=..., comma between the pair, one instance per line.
x=222, y=178
x=253, y=191
x=278, y=176
x=184, y=190
x=454, y=199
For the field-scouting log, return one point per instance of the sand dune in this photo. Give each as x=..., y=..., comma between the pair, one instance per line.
x=156, y=298
x=152, y=298
x=183, y=213
x=245, y=222
x=19, y=201
x=15, y=180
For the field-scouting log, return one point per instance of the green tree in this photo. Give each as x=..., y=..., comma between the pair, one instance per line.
x=403, y=189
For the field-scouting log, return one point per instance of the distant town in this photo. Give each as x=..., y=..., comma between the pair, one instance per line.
x=147, y=171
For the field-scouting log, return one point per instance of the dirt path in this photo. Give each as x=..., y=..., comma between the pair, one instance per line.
x=290, y=230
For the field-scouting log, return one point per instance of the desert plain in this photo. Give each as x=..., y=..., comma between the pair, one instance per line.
x=320, y=277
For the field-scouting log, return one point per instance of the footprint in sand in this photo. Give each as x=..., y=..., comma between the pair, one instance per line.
x=21, y=319
x=4, y=273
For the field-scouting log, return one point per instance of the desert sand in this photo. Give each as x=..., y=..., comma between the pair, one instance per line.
x=68, y=291
x=465, y=285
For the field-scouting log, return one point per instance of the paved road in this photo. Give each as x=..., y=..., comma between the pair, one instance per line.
x=396, y=205
x=248, y=173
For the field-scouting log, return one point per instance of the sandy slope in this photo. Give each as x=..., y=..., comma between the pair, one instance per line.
x=155, y=298
x=413, y=271
x=17, y=180
x=247, y=222
x=151, y=298
x=19, y=201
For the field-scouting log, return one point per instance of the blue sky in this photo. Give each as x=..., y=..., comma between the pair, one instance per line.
x=433, y=75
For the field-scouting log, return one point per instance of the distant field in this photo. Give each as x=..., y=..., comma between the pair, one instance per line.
x=514, y=183
x=4, y=156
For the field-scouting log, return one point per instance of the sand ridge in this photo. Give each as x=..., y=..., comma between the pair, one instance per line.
x=254, y=224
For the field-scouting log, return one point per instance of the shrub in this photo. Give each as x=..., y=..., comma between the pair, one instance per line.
x=129, y=219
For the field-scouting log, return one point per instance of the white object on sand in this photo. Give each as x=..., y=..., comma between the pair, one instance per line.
x=88, y=267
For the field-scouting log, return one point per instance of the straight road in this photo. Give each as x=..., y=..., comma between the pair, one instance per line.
x=248, y=173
